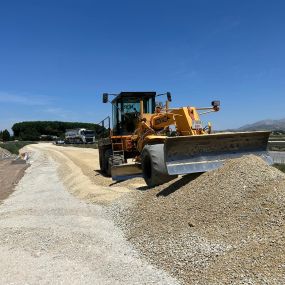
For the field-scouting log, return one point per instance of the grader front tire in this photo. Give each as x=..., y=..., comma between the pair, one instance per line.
x=153, y=165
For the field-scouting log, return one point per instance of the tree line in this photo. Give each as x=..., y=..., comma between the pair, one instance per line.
x=5, y=136
x=33, y=130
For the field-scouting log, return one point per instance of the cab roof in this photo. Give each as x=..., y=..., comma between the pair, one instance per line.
x=145, y=95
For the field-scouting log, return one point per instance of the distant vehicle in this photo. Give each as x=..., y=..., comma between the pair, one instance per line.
x=59, y=142
x=48, y=137
x=77, y=136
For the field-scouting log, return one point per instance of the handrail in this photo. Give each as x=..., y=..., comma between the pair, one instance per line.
x=102, y=124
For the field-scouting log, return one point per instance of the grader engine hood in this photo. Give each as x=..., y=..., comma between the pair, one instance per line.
x=191, y=154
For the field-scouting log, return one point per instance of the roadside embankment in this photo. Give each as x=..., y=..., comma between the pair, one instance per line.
x=13, y=147
x=10, y=173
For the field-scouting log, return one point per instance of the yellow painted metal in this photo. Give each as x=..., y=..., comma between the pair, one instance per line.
x=193, y=148
x=184, y=121
x=152, y=128
x=141, y=107
x=161, y=120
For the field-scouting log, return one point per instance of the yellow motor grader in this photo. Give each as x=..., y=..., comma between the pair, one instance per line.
x=159, y=142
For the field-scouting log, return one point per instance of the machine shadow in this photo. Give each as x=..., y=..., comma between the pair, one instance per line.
x=178, y=184
x=99, y=172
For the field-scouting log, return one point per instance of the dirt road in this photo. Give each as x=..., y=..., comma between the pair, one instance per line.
x=79, y=170
x=49, y=236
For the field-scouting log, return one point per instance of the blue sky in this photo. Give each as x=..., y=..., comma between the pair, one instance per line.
x=58, y=57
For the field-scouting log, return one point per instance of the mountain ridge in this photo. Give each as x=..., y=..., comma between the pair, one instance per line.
x=268, y=124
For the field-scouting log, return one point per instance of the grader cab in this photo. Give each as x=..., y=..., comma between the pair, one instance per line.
x=159, y=142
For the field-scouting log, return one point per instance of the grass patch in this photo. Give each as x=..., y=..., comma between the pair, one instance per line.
x=281, y=167
x=14, y=147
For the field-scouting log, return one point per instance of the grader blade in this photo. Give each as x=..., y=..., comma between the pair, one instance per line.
x=126, y=171
x=201, y=153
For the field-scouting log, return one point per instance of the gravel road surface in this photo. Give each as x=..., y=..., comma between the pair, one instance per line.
x=79, y=171
x=48, y=236
x=222, y=227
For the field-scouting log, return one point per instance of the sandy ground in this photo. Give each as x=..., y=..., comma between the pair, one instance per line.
x=49, y=236
x=79, y=170
x=10, y=175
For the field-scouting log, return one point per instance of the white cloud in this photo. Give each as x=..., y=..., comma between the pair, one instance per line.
x=31, y=108
x=58, y=112
x=24, y=99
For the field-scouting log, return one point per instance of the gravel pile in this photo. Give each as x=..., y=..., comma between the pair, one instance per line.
x=226, y=226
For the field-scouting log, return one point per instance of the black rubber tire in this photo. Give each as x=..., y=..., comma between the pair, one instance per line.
x=101, y=159
x=153, y=165
x=108, y=162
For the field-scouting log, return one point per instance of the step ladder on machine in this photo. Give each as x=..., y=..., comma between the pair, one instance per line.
x=118, y=153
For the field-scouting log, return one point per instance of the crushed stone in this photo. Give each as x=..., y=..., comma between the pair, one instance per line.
x=50, y=237
x=226, y=226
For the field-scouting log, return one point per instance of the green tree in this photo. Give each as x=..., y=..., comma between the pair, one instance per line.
x=30, y=134
x=32, y=130
x=6, y=136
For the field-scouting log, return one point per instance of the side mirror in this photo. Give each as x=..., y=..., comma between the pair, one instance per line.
x=168, y=94
x=105, y=97
x=215, y=103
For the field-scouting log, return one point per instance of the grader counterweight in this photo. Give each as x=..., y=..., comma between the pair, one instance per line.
x=164, y=142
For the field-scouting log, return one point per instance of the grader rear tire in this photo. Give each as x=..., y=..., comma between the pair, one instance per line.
x=153, y=165
x=101, y=160
x=108, y=162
